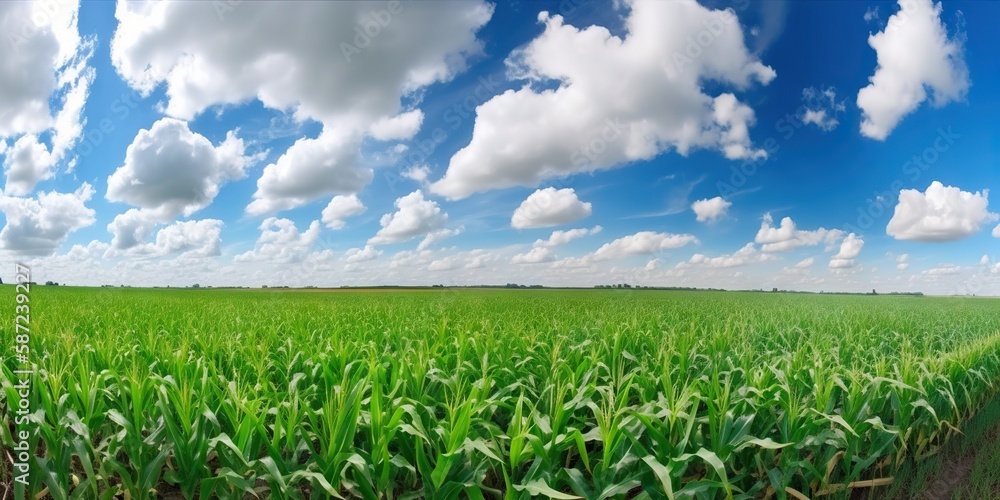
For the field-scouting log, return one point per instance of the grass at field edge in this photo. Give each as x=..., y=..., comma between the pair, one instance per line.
x=967, y=468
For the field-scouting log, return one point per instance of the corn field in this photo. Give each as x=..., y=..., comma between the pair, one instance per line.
x=491, y=394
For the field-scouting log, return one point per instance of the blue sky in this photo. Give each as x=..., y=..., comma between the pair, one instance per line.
x=560, y=143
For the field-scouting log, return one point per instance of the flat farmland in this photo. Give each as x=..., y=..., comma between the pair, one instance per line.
x=140, y=393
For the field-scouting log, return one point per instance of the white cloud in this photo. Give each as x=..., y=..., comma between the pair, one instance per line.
x=710, y=210
x=39, y=226
x=536, y=255
x=308, y=58
x=418, y=173
x=477, y=259
x=42, y=59
x=942, y=270
x=280, y=241
x=541, y=250
x=822, y=107
x=747, y=255
x=473, y=259
x=132, y=228
x=985, y=260
x=439, y=235
x=788, y=237
x=410, y=259
x=805, y=263
x=340, y=209
x=550, y=207
x=310, y=169
x=270, y=51
x=903, y=262
x=193, y=238
x=996, y=231
x=414, y=217
x=399, y=127
x=560, y=237
x=419, y=262
x=170, y=170
x=850, y=248
x=659, y=102
x=942, y=213
x=642, y=243
x=27, y=163
x=187, y=239
x=914, y=54
x=871, y=14
x=39, y=42
x=362, y=254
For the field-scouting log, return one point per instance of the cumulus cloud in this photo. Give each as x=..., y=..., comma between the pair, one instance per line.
x=186, y=239
x=659, y=101
x=132, y=228
x=310, y=169
x=542, y=250
x=749, y=254
x=711, y=210
x=805, y=263
x=418, y=174
x=414, y=216
x=43, y=59
x=903, y=262
x=559, y=237
x=550, y=207
x=27, y=163
x=340, y=209
x=942, y=270
x=788, y=237
x=850, y=248
x=37, y=226
x=439, y=235
x=473, y=259
x=641, y=243
x=170, y=170
x=914, y=55
x=941, y=213
x=822, y=108
x=193, y=238
x=536, y=255
x=402, y=126
x=996, y=232
x=301, y=57
x=280, y=241
x=362, y=254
